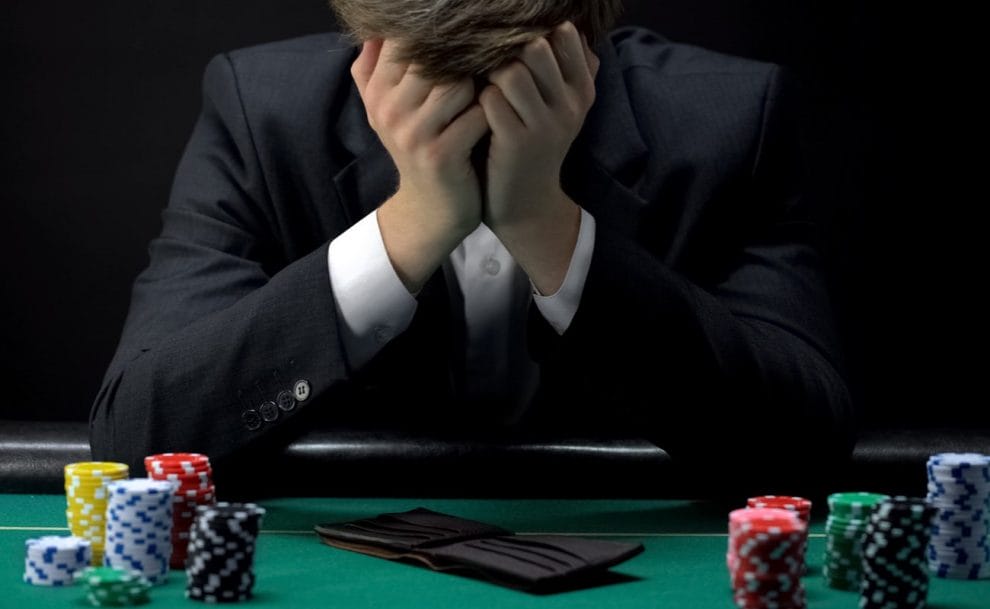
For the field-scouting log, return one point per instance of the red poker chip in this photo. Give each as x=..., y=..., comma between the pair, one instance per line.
x=795, y=504
x=194, y=475
x=177, y=458
x=765, y=557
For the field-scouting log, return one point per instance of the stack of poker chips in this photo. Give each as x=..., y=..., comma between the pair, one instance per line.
x=193, y=474
x=54, y=560
x=767, y=564
x=113, y=587
x=86, y=500
x=959, y=488
x=221, y=552
x=895, y=573
x=798, y=505
x=845, y=530
x=139, y=527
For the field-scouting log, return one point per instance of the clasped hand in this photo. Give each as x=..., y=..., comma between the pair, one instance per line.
x=533, y=107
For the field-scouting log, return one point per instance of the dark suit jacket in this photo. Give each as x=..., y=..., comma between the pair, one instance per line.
x=704, y=309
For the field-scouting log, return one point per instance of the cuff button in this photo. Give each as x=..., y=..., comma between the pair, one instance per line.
x=301, y=390
x=252, y=420
x=269, y=411
x=285, y=401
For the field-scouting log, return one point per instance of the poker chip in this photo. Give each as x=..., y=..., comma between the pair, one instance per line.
x=113, y=586
x=194, y=476
x=959, y=489
x=845, y=531
x=139, y=527
x=53, y=560
x=895, y=572
x=222, y=539
x=86, y=500
x=798, y=505
x=766, y=569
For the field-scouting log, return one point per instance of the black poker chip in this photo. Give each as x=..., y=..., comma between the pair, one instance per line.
x=895, y=569
x=219, y=565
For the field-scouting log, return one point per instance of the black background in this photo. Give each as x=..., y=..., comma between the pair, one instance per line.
x=98, y=99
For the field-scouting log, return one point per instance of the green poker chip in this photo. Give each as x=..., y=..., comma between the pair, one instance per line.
x=113, y=587
x=845, y=532
x=853, y=505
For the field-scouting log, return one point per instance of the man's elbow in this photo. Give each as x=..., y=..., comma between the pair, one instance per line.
x=116, y=432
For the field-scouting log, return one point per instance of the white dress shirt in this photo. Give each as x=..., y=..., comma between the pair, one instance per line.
x=375, y=305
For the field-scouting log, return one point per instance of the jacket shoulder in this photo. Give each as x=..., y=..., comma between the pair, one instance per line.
x=637, y=46
x=293, y=70
x=286, y=88
x=311, y=43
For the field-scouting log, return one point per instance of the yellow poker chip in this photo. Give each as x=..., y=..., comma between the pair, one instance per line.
x=97, y=468
x=86, y=495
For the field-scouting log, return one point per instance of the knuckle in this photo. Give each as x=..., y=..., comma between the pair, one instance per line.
x=541, y=45
x=590, y=93
x=388, y=116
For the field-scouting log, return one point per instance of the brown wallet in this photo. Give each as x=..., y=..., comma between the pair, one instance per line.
x=443, y=542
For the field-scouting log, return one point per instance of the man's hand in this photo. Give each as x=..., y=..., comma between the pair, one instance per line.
x=536, y=106
x=429, y=130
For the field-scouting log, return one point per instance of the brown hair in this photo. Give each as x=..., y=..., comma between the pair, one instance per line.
x=453, y=39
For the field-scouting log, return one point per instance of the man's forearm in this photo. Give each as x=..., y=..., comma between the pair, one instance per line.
x=543, y=247
x=415, y=247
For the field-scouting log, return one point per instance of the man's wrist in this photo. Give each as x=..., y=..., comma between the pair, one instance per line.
x=544, y=244
x=415, y=248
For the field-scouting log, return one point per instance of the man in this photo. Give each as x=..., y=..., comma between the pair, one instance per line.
x=334, y=244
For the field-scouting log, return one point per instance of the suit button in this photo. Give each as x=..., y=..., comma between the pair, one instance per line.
x=285, y=401
x=269, y=411
x=252, y=420
x=301, y=390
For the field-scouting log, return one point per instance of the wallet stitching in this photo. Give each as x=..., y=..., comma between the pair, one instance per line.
x=521, y=549
x=519, y=558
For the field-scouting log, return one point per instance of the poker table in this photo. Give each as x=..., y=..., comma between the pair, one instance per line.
x=683, y=564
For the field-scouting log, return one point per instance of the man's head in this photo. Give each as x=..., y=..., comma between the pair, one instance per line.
x=453, y=39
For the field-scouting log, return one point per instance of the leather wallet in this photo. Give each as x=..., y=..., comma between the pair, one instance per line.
x=444, y=542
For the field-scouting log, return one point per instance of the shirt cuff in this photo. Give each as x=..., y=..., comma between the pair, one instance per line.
x=559, y=308
x=372, y=301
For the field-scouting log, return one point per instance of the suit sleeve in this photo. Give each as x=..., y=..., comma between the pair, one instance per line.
x=219, y=328
x=748, y=363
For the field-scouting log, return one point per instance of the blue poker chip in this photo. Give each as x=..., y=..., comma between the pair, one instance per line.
x=53, y=560
x=959, y=488
x=139, y=526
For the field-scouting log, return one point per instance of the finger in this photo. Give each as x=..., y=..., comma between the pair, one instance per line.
x=501, y=116
x=590, y=58
x=573, y=63
x=389, y=71
x=414, y=90
x=466, y=130
x=539, y=57
x=516, y=86
x=364, y=65
x=444, y=103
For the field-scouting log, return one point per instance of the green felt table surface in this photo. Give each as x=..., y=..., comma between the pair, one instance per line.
x=683, y=565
